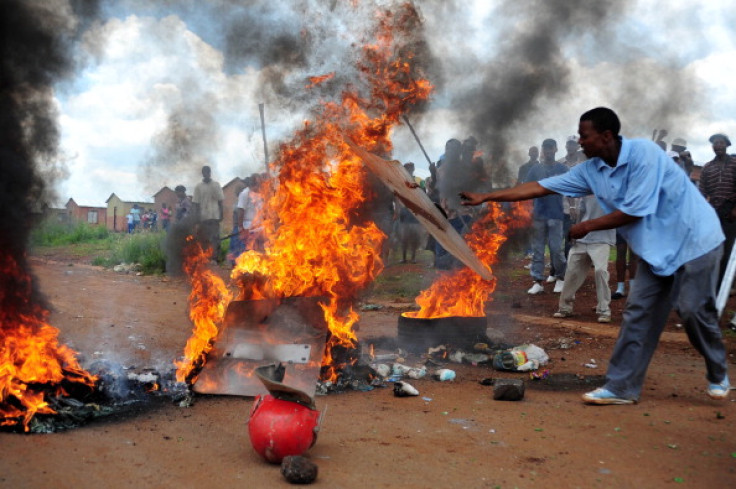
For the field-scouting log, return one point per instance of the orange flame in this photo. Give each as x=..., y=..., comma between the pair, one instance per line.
x=463, y=293
x=33, y=364
x=316, y=242
x=316, y=80
x=207, y=303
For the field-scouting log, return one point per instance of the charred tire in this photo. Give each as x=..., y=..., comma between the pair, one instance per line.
x=418, y=334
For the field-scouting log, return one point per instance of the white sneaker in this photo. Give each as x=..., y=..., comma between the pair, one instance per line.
x=551, y=279
x=558, y=286
x=536, y=289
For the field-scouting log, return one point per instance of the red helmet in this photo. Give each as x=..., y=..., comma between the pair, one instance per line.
x=279, y=428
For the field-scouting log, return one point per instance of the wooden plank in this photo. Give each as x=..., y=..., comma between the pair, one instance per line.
x=395, y=177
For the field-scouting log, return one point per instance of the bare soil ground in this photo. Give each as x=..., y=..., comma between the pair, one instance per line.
x=453, y=435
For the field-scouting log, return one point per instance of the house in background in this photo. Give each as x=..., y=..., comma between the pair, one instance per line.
x=114, y=216
x=95, y=216
x=117, y=210
x=165, y=196
x=52, y=214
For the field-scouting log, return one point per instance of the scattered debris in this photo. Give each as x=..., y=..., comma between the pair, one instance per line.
x=299, y=470
x=437, y=349
x=539, y=375
x=382, y=369
x=416, y=373
x=520, y=358
x=404, y=389
x=508, y=390
x=127, y=268
x=444, y=374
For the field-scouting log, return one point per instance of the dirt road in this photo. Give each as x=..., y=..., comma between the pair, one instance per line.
x=453, y=435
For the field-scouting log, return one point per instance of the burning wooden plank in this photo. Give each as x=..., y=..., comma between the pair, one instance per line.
x=393, y=175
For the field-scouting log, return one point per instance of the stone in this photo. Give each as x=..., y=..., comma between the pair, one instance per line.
x=298, y=470
x=508, y=389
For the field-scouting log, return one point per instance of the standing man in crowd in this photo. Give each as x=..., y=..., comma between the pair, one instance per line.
x=136, y=211
x=524, y=169
x=183, y=205
x=592, y=249
x=679, y=145
x=409, y=229
x=249, y=208
x=547, y=223
x=207, y=207
x=672, y=229
x=718, y=184
x=165, y=216
x=570, y=205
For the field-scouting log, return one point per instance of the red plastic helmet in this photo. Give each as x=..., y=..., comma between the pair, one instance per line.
x=280, y=428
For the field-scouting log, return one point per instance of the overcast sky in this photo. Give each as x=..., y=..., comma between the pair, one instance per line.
x=166, y=86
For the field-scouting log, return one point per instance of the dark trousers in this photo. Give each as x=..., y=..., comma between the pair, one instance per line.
x=691, y=290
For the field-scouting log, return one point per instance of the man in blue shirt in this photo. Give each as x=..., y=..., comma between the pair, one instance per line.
x=675, y=232
x=547, y=222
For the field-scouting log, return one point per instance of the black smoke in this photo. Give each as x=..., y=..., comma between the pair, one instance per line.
x=530, y=67
x=37, y=52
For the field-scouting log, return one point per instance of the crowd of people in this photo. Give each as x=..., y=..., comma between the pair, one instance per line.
x=675, y=229
x=140, y=219
x=673, y=235
x=460, y=167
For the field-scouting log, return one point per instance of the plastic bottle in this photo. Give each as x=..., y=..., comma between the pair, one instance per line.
x=444, y=374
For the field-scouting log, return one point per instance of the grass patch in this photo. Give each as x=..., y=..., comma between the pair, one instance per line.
x=105, y=248
x=394, y=283
x=57, y=234
x=144, y=248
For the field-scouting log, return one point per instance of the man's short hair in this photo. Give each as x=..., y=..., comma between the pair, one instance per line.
x=603, y=119
x=180, y=188
x=549, y=143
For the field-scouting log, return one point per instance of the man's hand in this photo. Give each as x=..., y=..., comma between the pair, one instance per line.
x=471, y=198
x=579, y=230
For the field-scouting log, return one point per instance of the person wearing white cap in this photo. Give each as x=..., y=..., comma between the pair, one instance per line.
x=679, y=145
x=676, y=158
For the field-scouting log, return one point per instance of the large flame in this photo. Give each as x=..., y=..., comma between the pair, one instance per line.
x=33, y=365
x=207, y=303
x=463, y=293
x=317, y=243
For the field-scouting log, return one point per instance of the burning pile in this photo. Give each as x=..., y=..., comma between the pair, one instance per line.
x=317, y=242
x=464, y=293
x=207, y=302
x=35, y=370
x=34, y=367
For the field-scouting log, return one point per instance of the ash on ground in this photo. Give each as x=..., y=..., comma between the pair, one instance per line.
x=120, y=392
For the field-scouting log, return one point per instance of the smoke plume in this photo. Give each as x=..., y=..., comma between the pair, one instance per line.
x=37, y=52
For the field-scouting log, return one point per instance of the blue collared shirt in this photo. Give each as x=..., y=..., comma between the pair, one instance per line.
x=677, y=224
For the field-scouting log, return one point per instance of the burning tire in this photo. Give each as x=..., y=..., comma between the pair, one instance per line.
x=418, y=334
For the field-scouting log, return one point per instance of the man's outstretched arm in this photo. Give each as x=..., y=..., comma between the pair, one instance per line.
x=525, y=191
